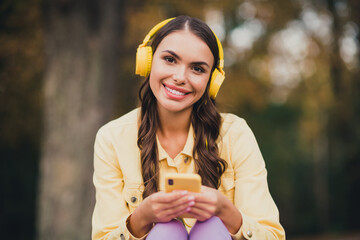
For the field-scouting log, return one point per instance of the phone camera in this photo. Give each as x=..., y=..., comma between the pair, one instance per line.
x=171, y=181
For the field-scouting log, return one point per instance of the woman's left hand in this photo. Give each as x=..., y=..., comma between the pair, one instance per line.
x=208, y=203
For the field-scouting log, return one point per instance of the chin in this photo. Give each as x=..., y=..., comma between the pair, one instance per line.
x=175, y=107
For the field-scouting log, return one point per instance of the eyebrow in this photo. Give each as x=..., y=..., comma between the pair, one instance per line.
x=179, y=58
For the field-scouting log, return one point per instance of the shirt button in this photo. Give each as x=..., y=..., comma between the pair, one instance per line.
x=133, y=199
x=249, y=233
x=122, y=237
x=186, y=159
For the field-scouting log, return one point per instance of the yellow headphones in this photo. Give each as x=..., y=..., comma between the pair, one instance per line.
x=144, y=57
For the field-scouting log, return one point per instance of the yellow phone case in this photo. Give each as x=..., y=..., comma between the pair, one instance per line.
x=182, y=181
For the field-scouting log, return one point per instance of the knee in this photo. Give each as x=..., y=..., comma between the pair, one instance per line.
x=213, y=228
x=173, y=228
x=214, y=221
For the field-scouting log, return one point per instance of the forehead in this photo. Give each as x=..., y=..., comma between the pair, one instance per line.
x=187, y=44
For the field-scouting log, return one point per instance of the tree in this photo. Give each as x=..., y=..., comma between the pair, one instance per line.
x=343, y=129
x=81, y=45
x=21, y=68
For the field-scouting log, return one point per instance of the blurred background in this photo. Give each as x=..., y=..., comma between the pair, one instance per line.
x=67, y=67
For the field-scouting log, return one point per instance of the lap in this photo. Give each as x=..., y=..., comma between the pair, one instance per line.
x=171, y=230
x=211, y=229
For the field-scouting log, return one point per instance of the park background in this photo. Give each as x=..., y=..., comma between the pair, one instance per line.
x=67, y=67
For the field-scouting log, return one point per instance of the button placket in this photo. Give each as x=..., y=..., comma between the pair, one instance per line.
x=133, y=199
x=122, y=237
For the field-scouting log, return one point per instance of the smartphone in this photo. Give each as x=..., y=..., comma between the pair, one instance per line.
x=182, y=181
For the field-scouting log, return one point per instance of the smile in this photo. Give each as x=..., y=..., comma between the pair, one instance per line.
x=174, y=91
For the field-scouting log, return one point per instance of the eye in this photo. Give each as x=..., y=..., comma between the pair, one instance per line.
x=198, y=69
x=169, y=59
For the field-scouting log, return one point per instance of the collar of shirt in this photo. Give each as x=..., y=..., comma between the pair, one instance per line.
x=187, y=150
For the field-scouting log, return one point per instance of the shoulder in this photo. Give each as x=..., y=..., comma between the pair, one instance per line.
x=128, y=123
x=232, y=124
x=237, y=141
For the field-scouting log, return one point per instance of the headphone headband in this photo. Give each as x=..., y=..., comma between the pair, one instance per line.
x=154, y=30
x=221, y=54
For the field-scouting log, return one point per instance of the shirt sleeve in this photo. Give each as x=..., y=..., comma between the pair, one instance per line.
x=252, y=197
x=111, y=211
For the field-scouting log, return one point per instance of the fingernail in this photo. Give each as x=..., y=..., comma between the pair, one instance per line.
x=188, y=209
x=192, y=203
x=191, y=198
x=184, y=192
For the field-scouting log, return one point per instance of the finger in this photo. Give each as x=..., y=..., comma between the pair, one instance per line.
x=204, y=198
x=185, y=201
x=209, y=208
x=178, y=210
x=161, y=209
x=173, y=212
x=200, y=214
x=163, y=197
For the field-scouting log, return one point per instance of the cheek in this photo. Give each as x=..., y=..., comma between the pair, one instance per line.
x=158, y=65
x=154, y=78
x=201, y=84
x=153, y=84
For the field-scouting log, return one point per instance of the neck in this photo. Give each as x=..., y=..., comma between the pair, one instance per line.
x=173, y=130
x=174, y=123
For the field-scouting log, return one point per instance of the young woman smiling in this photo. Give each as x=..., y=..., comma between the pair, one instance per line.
x=179, y=129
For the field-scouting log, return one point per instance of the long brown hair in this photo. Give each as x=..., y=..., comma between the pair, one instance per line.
x=205, y=118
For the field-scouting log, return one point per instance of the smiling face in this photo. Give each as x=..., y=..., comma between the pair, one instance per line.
x=180, y=71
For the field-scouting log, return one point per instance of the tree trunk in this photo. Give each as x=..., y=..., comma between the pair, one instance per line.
x=343, y=127
x=82, y=39
x=353, y=167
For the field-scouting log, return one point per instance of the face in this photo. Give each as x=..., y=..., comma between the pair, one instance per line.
x=180, y=71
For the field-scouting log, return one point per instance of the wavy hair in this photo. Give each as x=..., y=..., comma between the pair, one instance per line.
x=205, y=118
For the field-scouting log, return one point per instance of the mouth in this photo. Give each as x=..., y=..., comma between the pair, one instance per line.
x=176, y=92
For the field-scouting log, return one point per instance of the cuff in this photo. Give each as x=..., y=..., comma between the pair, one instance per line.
x=246, y=230
x=123, y=233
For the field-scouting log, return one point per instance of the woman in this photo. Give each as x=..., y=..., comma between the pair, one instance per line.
x=179, y=129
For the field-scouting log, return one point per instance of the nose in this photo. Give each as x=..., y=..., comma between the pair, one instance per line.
x=179, y=75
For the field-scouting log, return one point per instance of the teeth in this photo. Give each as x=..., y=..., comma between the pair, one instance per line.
x=174, y=91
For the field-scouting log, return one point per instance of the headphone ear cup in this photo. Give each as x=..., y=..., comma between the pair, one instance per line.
x=217, y=78
x=143, y=60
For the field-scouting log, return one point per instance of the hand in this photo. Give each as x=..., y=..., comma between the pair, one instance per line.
x=208, y=203
x=163, y=207
x=159, y=207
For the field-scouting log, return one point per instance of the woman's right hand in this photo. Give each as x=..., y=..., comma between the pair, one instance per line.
x=159, y=207
x=163, y=207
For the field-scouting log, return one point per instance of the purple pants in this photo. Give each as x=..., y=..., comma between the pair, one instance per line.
x=211, y=229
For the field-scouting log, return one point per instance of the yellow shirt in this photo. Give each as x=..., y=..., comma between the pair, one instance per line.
x=119, y=185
